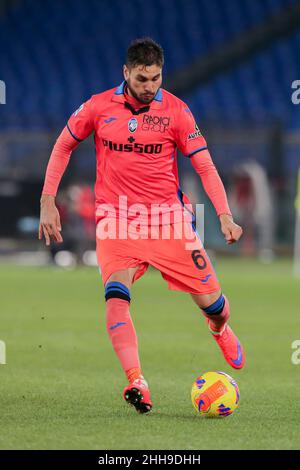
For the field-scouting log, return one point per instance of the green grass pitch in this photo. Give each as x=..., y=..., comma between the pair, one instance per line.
x=62, y=385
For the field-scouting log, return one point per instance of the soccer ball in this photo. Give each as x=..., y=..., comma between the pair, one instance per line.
x=215, y=394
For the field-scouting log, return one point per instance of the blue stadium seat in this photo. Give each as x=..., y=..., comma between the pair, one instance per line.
x=54, y=58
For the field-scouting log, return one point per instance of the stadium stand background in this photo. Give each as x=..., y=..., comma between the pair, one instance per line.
x=55, y=54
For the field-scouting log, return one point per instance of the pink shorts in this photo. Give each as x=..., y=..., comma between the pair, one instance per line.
x=176, y=251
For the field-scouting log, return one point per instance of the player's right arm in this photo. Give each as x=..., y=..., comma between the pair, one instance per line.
x=79, y=126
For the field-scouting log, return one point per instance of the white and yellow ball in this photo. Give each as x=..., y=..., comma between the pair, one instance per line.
x=215, y=394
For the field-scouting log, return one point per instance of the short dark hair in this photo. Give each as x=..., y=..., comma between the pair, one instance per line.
x=146, y=52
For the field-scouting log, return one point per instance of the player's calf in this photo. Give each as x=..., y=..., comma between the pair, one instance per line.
x=217, y=314
x=124, y=340
x=120, y=328
x=215, y=308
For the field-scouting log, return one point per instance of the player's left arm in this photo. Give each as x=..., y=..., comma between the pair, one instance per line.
x=193, y=145
x=214, y=188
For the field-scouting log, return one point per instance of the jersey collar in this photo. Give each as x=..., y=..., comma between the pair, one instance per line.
x=118, y=96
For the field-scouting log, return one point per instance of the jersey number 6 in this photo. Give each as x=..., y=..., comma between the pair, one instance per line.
x=198, y=259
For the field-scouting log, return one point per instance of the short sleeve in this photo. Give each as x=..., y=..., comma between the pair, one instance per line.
x=80, y=124
x=188, y=136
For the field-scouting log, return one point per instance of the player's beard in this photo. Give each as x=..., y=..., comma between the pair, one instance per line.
x=137, y=97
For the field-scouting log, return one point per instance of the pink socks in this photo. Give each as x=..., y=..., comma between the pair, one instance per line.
x=123, y=336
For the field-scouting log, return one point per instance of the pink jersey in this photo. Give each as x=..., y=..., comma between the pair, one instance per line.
x=136, y=146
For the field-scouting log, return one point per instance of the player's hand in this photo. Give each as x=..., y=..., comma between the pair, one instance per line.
x=50, y=225
x=231, y=231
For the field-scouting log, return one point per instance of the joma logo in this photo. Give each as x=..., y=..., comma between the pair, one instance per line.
x=2, y=92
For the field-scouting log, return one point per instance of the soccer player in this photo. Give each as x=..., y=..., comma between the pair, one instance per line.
x=137, y=128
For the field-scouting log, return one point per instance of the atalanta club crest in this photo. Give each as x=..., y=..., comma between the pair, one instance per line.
x=132, y=124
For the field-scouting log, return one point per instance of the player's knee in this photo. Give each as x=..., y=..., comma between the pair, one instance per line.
x=217, y=307
x=117, y=290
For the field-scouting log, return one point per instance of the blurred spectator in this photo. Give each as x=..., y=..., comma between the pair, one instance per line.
x=76, y=207
x=251, y=202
